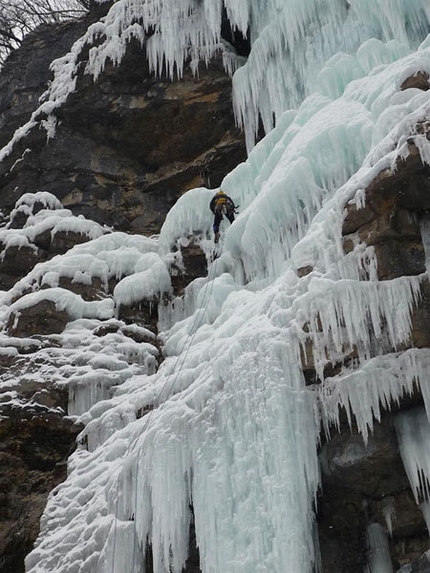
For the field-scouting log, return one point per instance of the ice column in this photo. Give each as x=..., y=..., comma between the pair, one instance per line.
x=379, y=553
x=413, y=431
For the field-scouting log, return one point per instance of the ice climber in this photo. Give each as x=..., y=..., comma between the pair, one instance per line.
x=221, y=204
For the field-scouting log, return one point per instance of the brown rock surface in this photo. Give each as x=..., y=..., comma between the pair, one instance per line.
x=194, y=265
x=26, y=73
x=42, y=317
x=359, y=481
x=144, y=313
x=34, y=446
x=16, y=263
x=420, y=81
x=59, y=242
x=396, y=203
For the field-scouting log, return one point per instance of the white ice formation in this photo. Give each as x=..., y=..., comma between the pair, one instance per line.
x=234, y=429
x=379, y=554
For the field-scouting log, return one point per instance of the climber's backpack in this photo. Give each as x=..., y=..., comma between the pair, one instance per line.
x=219, y=202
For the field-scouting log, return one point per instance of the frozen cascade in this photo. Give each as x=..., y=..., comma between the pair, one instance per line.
x=234, y=430
x=208, y=437
x=289, y=177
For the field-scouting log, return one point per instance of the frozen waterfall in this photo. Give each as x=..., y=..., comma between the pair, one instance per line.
x=231, y=443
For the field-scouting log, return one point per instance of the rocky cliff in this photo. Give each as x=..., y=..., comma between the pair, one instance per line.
x=127, y=146
x=125, y=149
x=366, y=483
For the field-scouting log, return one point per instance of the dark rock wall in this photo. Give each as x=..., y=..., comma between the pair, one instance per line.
x=35, y=443
x=26, y=73
x=360, y=483
x=127, y=146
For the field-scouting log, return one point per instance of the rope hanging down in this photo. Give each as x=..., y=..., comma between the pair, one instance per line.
x=182, y=356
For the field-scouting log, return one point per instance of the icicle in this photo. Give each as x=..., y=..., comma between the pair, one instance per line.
x=389, y=513
x=379, y=383
x=379, y=553
x=413, y=430
x=290, y=45
x=353, y=313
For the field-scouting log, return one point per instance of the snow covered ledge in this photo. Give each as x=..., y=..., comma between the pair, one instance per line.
x=51, y=309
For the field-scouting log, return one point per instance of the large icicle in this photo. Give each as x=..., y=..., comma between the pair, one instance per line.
x=379, y=552
x=343, y=317
x=413, y=430
x=247, y=458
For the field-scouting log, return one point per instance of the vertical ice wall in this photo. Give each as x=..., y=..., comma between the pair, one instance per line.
x=237, y=440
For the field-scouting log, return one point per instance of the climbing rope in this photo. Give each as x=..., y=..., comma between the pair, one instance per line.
x=182, y=356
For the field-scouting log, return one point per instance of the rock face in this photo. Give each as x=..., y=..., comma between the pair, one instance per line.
x=26, y=74
x=42, y=317
x=127, y=146
x=366, y=483
x=397, y=202
x=35, y=442
x=419, y=81
x=362, y=484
